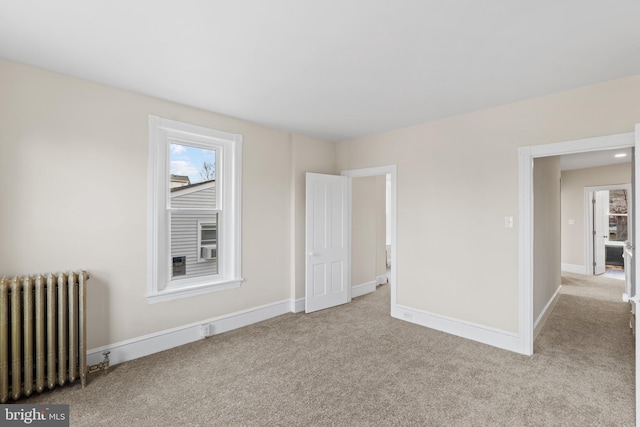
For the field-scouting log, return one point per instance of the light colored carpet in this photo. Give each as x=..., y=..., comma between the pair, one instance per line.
x=355, y=365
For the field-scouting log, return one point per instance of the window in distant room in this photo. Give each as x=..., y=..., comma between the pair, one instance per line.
x=617, y=214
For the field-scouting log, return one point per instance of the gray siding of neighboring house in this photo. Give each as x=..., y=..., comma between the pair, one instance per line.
x=184, y=242
x=203, y=199
x=184, y=230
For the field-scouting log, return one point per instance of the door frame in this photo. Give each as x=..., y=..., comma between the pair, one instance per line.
x=588, y=216
x=377, y=171
x=526, y=155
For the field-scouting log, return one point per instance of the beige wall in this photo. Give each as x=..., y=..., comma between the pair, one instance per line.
x=546, y=231
x=73, y=168
x=573, y=205
x=368, y=229
x=457, y=179
x=363, y=230
x=381, y=226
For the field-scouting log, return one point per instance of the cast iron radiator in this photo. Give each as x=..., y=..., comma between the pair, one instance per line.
x=42, y=332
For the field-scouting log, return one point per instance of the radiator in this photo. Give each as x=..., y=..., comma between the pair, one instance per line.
x=42, y=333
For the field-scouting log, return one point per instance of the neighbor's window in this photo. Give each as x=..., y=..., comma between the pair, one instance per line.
x=207, y=241
x=194, y=209
x=618, y=212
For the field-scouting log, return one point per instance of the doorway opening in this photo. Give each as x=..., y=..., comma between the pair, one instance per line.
x=527, y=155
x=388, y=174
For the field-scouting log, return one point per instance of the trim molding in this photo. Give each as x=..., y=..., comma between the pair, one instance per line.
x=145, y=345
x=363, y=289
x=546, y=312
x=297, y=305
x=382, y=279
x=473, y=331
x=574, y=268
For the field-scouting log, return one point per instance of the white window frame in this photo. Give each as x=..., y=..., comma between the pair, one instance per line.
x=162, y=133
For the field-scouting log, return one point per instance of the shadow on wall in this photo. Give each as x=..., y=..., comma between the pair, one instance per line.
x=98, y=309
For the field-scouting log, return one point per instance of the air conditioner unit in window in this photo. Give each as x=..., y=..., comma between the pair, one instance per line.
x=208, y=251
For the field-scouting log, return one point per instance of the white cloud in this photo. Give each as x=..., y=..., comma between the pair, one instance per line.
x=177, y=148
x=182, y=167
x=209, y=155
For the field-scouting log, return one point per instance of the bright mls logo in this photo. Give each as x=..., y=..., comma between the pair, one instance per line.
x=35, y=415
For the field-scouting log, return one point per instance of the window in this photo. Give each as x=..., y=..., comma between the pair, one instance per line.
x=617, y=216
x=207, y=241
x=194, y=210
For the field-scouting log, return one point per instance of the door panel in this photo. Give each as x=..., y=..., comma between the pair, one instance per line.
x=328, y=281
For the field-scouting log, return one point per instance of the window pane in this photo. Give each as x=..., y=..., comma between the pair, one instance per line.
x=618, y=228
x=209, y=234
x=618, y=201
x=192, y=177
x=178, y=266
x=184, y=243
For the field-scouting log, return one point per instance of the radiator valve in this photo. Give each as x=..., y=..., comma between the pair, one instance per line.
x=104, y=365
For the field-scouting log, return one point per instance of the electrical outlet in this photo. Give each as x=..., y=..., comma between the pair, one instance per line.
x=508, y=222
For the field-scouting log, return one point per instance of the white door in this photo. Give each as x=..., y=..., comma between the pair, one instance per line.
x=635, y=264
x=600, y=232
x=629, y=245
x=328, y=234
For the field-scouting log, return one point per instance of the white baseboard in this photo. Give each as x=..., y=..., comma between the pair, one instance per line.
x=363, y=289
x=297, y=306
x=484, y=334
x=573, y=268
x=546, y=311
x=135, y=348
x=381, y=280
x=159, y=341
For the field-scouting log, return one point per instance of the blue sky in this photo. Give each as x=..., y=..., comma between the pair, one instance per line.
x=186, y=160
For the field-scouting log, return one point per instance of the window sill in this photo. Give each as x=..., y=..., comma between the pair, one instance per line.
x=185, y=292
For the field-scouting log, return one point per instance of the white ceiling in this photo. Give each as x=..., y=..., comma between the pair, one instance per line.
x=593, y=159
x=331, y=69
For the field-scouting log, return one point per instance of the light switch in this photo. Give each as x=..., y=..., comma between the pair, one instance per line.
x=571, y=222
x=508, y=222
